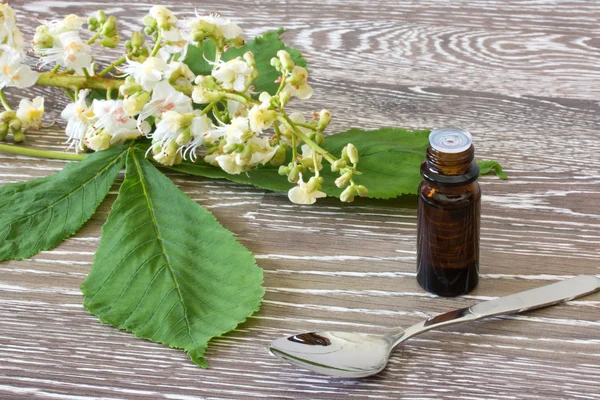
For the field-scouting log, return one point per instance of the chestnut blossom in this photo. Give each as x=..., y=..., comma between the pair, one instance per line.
x=148, y=73
x=10, y=35
x=297, y=85
x=80, y=117
x=13, y=72
x=30, y=113
x=234, y=74
x=113, y=125
x=304, y=193
x=261, y=116
x=224, y=26
x=68, y=51
x=165, y=98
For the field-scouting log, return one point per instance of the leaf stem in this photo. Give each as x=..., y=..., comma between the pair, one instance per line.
x=56, y=68
x=26, y=151
x=69, y=94
x=4, y=102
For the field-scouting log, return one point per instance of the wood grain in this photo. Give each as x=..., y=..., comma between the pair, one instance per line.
x=520, y=76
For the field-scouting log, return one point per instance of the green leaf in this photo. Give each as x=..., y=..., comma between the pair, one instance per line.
x=487, y=166
x=39, y=214
x=389, y=161
x=166, y=270
x=263, y=47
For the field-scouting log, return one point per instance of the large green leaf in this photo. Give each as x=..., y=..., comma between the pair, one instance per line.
x=263, y=47
x=389, y=162
x=166, y=270
x=39, y=214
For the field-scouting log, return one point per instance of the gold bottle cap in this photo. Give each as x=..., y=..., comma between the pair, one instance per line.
x=450, y=140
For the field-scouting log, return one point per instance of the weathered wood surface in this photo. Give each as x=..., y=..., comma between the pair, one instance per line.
x=521, y=76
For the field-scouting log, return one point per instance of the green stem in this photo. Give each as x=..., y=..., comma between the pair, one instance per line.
x=56, y=68
x=282, y=85
x=93, y=38
x=70, y=94
x=112, y=66
x=157, y=44
x=109, y=94
x=242, y=98
x=25, y=151
x=4, y=102
x=305, y=126
x=277, y=131
x=86, y=73
x=315, y=147
x=208, y=108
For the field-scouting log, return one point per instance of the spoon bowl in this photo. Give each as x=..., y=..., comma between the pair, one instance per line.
x=357, y=355
x=345, y=354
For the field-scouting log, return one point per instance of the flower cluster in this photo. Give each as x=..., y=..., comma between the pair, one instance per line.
x=222, y=117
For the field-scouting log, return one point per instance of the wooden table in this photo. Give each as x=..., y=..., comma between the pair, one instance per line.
x=522, y=77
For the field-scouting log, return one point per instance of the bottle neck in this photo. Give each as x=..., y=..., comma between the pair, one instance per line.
x=450, y=168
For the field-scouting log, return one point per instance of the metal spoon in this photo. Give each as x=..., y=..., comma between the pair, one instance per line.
x=356, y=355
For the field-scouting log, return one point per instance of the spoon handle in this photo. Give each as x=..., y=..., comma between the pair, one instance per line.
x=515, y=303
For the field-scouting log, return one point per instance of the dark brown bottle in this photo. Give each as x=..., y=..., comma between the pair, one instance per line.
x=448, y=216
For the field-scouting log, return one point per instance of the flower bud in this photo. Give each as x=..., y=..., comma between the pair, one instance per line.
x=352, y=153
x=283, y=170
x=7, y=116
x=15, y=125
x=286, y=60
x=249, y=58
x=137, y=39
x=128, y=45
x=362, y=191
x=232, y=147
x=201, y=95
x=343, y=180
x=18, y=136
x=279, y=156
x=208, y=81
x=237, y=42
x=130, y=87
x=319, y=139
x=198, y=35
x=314, y=183
x=184, y=137
x=133, y=105
x=149, y=31
x=294, y=174
x=345, y=154
x=43, y=40
x=324, y=120
x=276, y=63
x=109, y=28
x=338, y=165
x=347, y=195
x=110, y=42
x=245, y=156
x=92, y=23
x=3, y=130
x=101, y=16
x=284, y=98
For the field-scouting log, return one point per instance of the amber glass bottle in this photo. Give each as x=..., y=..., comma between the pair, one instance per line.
x=448, y=215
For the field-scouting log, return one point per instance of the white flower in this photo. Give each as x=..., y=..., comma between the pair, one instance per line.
x=180, y=74
x=69, y=51
x=236, y=109
x=308, y=153
x=166, y=98
x=262, y=152
x=238, y=131
x=70, y=23
x=260, y=116
x=169, y=127
x=30, y=112
x=80, y=117
x=200, y=129
x=229, y=164
x=148, y=73
x=163, y=16
x=302, y=194
x=173, y=43
x=286, y=130
x=234, y=74
x=12, y=72
x=9, y=33
x=113, y=120
x=297, y=86
x=228, y=29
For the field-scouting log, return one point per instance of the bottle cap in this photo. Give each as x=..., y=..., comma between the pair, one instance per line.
x=450, y=140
